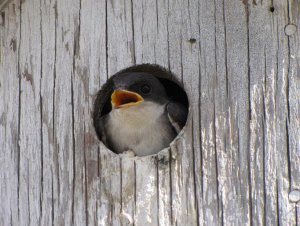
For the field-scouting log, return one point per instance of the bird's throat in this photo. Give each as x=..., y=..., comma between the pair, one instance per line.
x=125, y=98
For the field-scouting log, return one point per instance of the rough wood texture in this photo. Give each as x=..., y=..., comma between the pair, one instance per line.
x=237, y=162
x=3, y=4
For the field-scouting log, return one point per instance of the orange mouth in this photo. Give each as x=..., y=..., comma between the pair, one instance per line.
x=124, y=98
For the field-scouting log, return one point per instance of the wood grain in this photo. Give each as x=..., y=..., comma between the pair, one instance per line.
x=3, y=4
x=237, y=159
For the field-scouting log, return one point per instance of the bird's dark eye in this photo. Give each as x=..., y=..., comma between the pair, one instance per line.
x=146, y=89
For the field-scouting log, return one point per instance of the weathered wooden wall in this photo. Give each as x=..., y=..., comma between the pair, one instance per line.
x=237, y=160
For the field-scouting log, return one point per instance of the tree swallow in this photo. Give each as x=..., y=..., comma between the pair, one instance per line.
x=143, y=118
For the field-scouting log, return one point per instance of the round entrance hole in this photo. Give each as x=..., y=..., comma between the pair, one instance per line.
x=140, y=109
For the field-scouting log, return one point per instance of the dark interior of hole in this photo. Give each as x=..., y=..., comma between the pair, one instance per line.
x=174, y=91
x=106, y=108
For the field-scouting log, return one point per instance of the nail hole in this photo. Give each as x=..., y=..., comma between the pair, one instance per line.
x=192, y=40
x=123, y=122
x=272, y=9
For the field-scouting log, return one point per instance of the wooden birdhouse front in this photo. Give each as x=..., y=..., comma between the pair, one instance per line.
x=236, y=161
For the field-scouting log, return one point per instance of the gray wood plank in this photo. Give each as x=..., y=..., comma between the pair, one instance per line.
x=120, y=40
x=235, y=163
x=164, y=188
x=9, y=117
x=209, y=112
x=293, y=87
x=48, y=61
x=30, y=168
x=282, y=112
x=258, y=53
x=3, y=4
x=146, y=208
x=90, y=63
x=128, y=189
x=64, y=173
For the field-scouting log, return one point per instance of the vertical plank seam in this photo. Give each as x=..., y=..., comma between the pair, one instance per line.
x=277, y=70
x=52, y=200
x=56, y=150
x=225, y=51
x=297, y=208
x=28, y=197
x=194, y=176
x=248, y=64
x=181, y=64
x=277, y=203
x=216, y=45
x=216, y=157
x=170, y=185
x=275, y=116
x=121, y=191
x=106, y=38
x=264, y=141
x=288, y=64
x=99, y=155
x=133, y=36
x=170, y=151
x=288, y=153
x=111, y=212
x=288, y=102
x=265, y=75
x=100, y=183
x=85, y=175
x=53, y=113
x=2, y=15
x=142, y=30
x=249, y=115
x=157, y=190
x=168, y=37
x=199, y=104
x=264, y=174
x=135, y=198
x=19, y=109
x=157, y=31
x=76, y=49
x=73, y=147
x=41, y=118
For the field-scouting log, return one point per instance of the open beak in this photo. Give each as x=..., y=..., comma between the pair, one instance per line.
x=125, y=98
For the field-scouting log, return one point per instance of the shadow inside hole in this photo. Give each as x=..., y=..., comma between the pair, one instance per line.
x=172, y=86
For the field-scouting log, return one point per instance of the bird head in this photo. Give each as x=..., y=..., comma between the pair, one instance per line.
x=132, y=89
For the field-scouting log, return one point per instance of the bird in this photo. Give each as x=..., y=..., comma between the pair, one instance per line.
x=143, y=118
